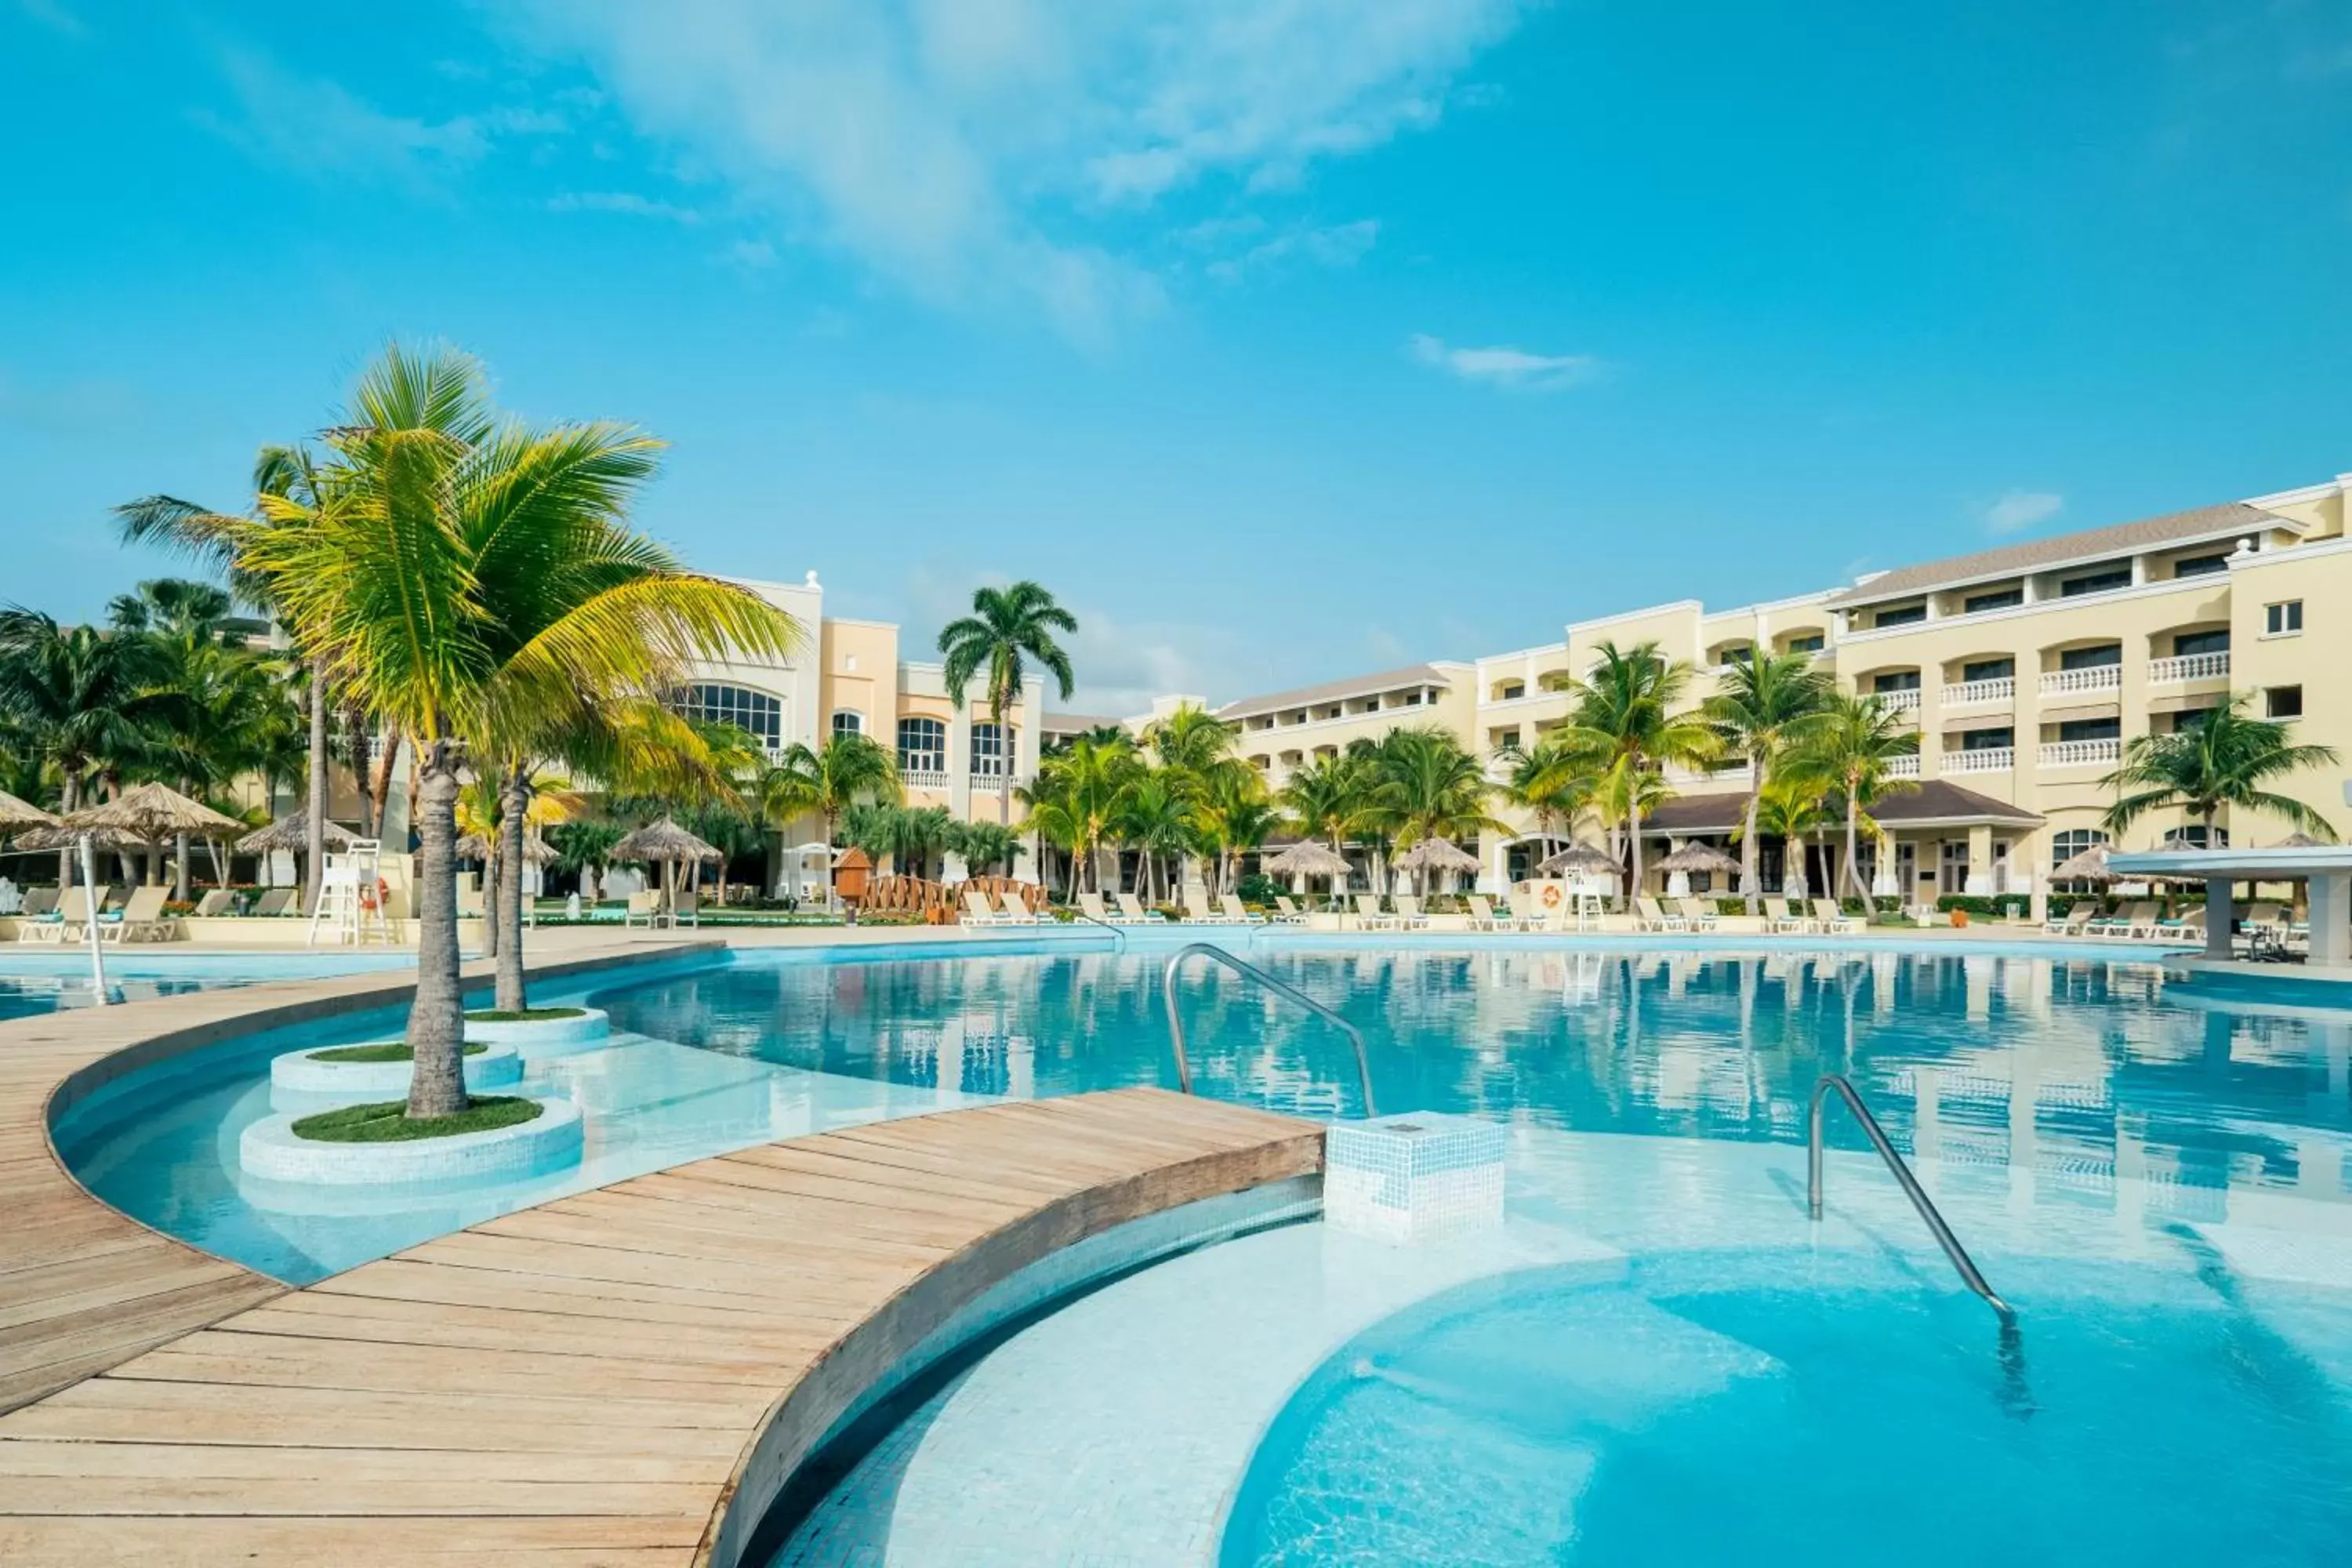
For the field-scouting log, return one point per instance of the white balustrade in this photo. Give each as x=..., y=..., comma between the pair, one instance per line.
x=2092, y=678
x=1970, y=693
x=2189, y=667
x=2081, y=753
x=1984, y=759
x=1906, y=701
x=924, y=778
x=1905, y=766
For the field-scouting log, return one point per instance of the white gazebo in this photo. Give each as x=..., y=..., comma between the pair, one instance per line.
x=807, y=873
x=2327, y=867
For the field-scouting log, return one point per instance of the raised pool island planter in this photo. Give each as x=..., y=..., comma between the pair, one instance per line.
x=546, y=1144
x=565, y=1026
x=491, y=1068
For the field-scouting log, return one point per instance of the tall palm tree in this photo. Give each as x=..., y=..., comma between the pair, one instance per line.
x=1853, y=749
x=474, y=582
x=825, y=780
x=1007, y=627
x=1791, y=804
x=985, y=846
x=1762, y=706
x=1432, y=788
x=1153, y=817
x=1556, y=783
x=1231, y=817
x=1331, y=798
x=2228, y=760
x=1081, y=786
x=1629, y=715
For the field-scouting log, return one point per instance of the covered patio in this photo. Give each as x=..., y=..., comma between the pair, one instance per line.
x=2326, y=870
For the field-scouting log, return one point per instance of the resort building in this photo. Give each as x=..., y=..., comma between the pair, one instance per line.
x=2026, y=668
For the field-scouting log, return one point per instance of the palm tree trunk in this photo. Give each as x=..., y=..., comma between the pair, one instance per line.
x=180, y=869
x=491, y=930
x=356, y=721
x=437, y=1020
x=1751, y=879
x=1852, y=860
x=71, y=803
x=514, y=807
x=314, y=824
x=1634, y=836
x=383, y=797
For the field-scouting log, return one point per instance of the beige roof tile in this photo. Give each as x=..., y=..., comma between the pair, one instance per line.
x=2040, y=554
x=1357, y=686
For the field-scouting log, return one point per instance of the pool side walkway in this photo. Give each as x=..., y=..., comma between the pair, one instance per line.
x=593, y=1381
x=82, y=1287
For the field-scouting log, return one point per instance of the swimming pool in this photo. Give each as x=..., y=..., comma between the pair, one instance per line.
x=36, y=982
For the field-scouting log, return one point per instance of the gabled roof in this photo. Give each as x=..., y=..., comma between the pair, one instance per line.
x=1076, y=723
x=1934, y=803
x=1357, y=686
x=2042, y=554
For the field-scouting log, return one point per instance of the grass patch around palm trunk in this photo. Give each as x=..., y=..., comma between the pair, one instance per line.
x=528, y=1016
x=388, y=1121
x=382, y=1051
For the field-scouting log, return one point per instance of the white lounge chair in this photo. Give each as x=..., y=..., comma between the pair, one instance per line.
x=1779, y=917
x=978, y=910
x=1408, y=913
x=2074, y=921
x=1370, y=918
x=218, y=902
x=1648, y=915
x=687, y=911
x=48, y=924
x=1828, y=917
x=1012, y=909
x=1699, y=913
x=1236, y=912
x=644, y=909
x=140, y=919
x=1286, y=911
x=1131, y=906
x=1091, y=906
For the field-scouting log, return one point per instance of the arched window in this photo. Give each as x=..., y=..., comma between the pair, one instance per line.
x=2064, y=847
x=990, y=744
x=2193, y=837
x=846, y=722
x=755, y=713
x=922, y=746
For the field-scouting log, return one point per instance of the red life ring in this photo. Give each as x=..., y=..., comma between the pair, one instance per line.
x=1551, y=897
x=372, y=898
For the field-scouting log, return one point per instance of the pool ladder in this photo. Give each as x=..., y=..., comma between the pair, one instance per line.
x=1961, y=1262
x=1280, y=988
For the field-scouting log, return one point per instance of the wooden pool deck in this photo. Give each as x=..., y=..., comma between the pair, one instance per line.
x=82, y=1288
x=596, y=1380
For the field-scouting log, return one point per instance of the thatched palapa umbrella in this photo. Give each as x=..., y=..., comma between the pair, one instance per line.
x=2090, y=865
x=18, y=815
x=669, y=845
x=1582, y=861
x=292, y=833
x=535, y=850
x=154, y=812
x=1696, y=856
x=1310, y=858
x=1436, y=855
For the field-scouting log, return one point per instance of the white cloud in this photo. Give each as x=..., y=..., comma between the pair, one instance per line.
x=957, y=145
x=627, y=203
x=1512, y=369
x=1340, y=245
x=2022, y=508
x=314, y=124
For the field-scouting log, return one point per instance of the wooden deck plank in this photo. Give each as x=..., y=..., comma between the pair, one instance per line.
x=591, y=1380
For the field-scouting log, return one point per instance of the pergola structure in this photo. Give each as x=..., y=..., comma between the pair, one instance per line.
x=2327, y=867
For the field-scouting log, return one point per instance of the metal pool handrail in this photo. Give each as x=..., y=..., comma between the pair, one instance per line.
x=1118, y=937
x=1279, y=987
x=1910, y=1183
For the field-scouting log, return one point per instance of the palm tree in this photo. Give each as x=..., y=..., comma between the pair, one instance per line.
x=1792, y=804
x=474, y=584
x=1153, y=817
x=76, y=702
x=983, y=844
x=1080, y=787
x=1763, y=705
x=1331, y=798
x=1432, y=788
x=1853, y=750
x=1231, y=817
x=826, y=780
x=1557, y=782
x=1627, y=716
x=2225, y=760
x=1007, y=627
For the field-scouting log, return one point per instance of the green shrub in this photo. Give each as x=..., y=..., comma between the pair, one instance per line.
x=1257, y=888
x=382, y=1051
x=389, y=1122
x=528, y=1016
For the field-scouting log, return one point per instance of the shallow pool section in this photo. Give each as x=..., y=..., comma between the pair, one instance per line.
x=34, y=982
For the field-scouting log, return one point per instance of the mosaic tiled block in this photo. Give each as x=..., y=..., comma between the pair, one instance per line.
x=1413, y=1176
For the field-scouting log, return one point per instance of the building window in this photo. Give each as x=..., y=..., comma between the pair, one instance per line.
x=2092, y=657
x=2091, y=730
x=2283, y=619
x=2064, y=847
x=2194, y=836
x=2200, y=565
x=1738, y=653
x=1999, y=599
x=2096, y=583
x=2187, y=642
x=755, y=713
x=1988, y=669
x=1895, y=680
x=2283, y=701
x=1809, y=642
x=2189, y=720
x=1998, y=740
x=1907, y=616
x=1510, y=692
x=922, y=746
x=989, y=744
x=848, y=723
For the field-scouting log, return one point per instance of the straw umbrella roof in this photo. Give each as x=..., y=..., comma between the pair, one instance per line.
x=1308, y=857
x=152, y=811
x=293, y=833
x=2300, y=841
x=1696, y=856
x=2090, y=865
x=17, y=815
x=1580, y=857
x=664, y=840
x=536, y=851
x=1437, y=855
x=42, y=839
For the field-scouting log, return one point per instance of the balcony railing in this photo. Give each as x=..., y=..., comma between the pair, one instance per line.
x=924, y=778
x=2093, y=678
x=2189, y=667
x=2081, y=753
x=992, y=783
x=1906, y=701
x=1984, y=759
x=1905, y=766
x=1969, y=693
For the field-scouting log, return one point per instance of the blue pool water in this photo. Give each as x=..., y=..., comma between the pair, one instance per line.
x=1723, y=1407
x=35, y=983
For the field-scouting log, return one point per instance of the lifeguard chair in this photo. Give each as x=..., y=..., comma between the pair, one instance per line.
x=352, y=896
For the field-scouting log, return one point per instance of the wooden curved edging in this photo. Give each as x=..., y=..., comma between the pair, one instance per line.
x=84, y=1286
x=623, y=1376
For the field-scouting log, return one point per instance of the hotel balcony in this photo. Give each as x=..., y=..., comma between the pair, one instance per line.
x=925, y=778
x=1904, y=767
x=2074, y=682
x=2189, y=667
x=1977, y=693
x=1984, y=759
x=2081, y=753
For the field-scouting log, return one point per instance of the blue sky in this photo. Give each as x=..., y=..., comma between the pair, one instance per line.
x=1282, y=340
